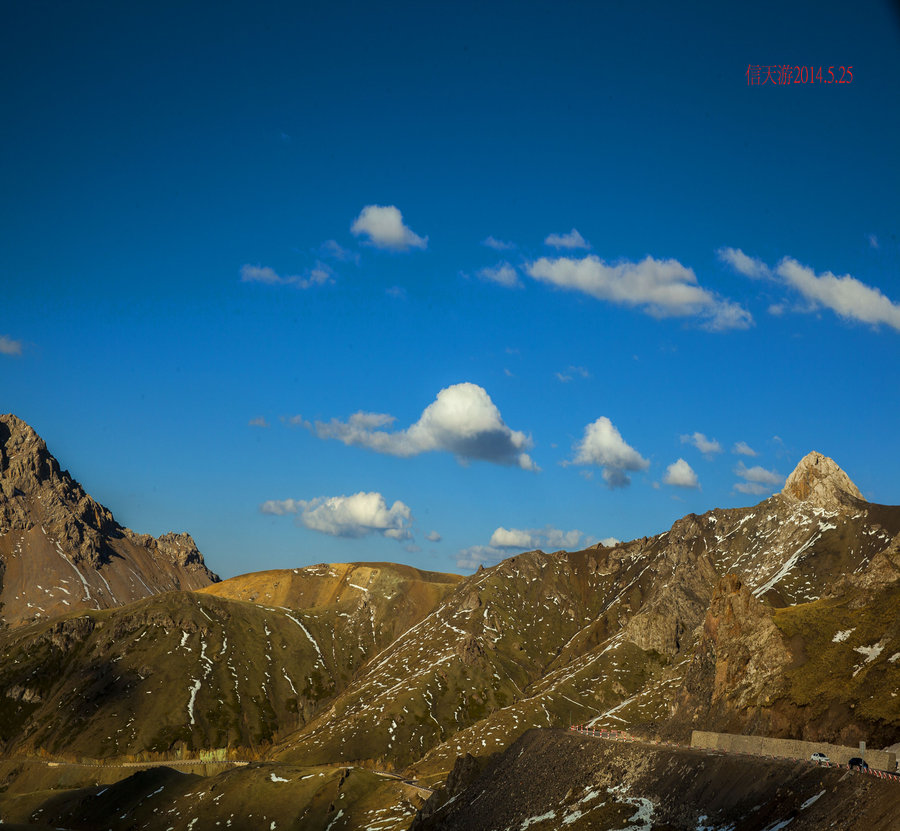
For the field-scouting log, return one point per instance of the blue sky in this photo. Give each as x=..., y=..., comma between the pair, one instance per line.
x=317, y=284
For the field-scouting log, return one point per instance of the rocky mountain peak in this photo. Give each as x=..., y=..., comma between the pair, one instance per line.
x=35, y=491
x=52, y=528
x=820, y=481
x=24, y=458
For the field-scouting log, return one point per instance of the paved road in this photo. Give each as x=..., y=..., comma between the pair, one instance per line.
x=425, y=790
x=622, y=736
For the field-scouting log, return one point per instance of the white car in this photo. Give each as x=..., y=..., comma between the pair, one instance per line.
x=819, y=758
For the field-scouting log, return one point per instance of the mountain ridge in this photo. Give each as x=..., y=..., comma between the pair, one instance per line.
x=782, y=619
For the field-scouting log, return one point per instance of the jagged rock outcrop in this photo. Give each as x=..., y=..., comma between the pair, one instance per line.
x=738, y=664
x=60, y=550
x=819, y=481
x=28, y=473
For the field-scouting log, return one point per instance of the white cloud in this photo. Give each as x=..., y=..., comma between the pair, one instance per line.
x=681, y=475
x=846, y=296
x=347, y=516
x=547, y=538
x=504, y=541
x=757, y=480
x=873, y=240
x=740, y=262
x=477, y=555
x=316, y=276
x=461, y=420
x=511, y=538
x=706, y=446
x=610, y=541
x=8, y=346
x=571, y=372
x=433, y=536
x=335, y=251
x=604, y=446
x=502, y=273
x=296, y=421
x=741, y=448
x=259, y=421
x=571, y=240
x=383, y=225
x=661, y=288
x=498, y=245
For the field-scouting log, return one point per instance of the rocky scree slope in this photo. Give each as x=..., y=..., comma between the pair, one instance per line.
x=552, y=779
x=61, y=551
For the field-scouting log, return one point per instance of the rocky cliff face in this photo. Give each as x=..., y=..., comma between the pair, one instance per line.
x=737, y=667
x=60, y=550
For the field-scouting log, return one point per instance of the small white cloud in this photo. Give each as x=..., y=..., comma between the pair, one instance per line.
x=547, y=538
x=504, y=541
x=604, y=446
x=433, y=536
x=741, y=448
x=296, y=421
x=706, y=446
x=571, y=372
x=498, y=245
x=508, y=374
x=741, y=263
x=479, y=555
x=571, y=240
x=260, y=274
x=511, y=538
x=316, y=276
x=384, y=228
x=610, y=541
x=681, y=475
x=396, y=291
x=8, y=346
x=873, y=240
x=757, y=480
x=776, y=309
x=462, y=420
x=259, y=421
x=280, y=507
x=335, y=251
x=660, y=288
x=347, y=516
x=502, y=273
x=846, y=296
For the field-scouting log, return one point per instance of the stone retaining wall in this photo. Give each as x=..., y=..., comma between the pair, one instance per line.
x=791, y=749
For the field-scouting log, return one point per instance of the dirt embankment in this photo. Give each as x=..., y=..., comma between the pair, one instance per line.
x=552, y=779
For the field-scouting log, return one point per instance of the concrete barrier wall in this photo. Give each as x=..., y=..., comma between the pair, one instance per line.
x=791, y=749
